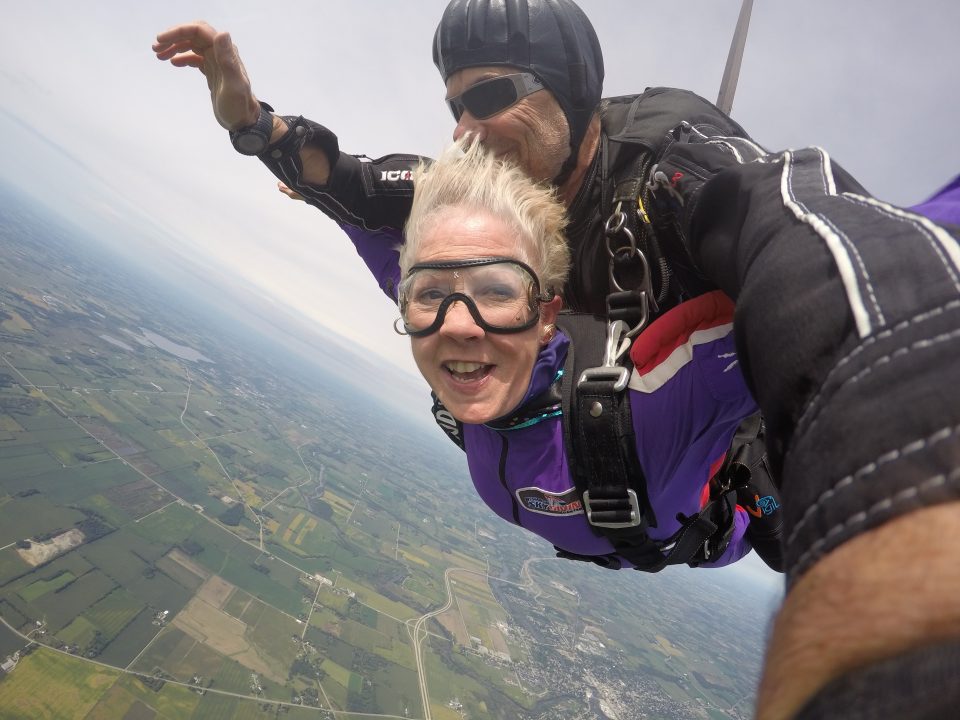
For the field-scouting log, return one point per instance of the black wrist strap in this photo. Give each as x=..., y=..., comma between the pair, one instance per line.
x=254, y=139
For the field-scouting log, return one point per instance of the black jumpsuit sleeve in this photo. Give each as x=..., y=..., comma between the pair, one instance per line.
x=923, y=684
x=370, y=194
x=848, y=329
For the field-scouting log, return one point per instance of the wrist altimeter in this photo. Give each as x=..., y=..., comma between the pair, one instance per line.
x=254, y=139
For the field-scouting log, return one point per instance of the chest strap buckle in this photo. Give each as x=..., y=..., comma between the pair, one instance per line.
x=614, y=512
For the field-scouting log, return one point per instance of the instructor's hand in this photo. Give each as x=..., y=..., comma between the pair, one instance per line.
x=292, y=194
x=198, y=45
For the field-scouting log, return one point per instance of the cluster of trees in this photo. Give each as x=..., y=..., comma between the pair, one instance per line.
x=49, y=535
x=95, y=646
x=93, y=526
x=18, y=405
x=310, y=696
x=155, y=683
x=304, y=667
x=268, y=469
x=190, y=547
x=223, y=450
x=232, y=515
x=364, y=701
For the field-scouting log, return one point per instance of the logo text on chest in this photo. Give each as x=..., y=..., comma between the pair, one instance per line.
x=550, y=503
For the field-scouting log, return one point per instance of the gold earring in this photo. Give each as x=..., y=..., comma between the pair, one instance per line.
x=548, y=332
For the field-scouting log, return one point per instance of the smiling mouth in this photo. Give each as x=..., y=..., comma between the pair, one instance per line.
x=467, y=371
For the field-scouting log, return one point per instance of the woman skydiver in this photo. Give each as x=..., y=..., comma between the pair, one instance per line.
x=484, y=259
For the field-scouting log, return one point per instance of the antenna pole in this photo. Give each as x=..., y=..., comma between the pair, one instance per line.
x=731, y=73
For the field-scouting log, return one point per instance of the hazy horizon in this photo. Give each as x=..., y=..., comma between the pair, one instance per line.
x=127, y=146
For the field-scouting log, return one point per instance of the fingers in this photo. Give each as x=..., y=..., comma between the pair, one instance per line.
x=167, y=51
x=198, y=33
x=292, y=194
x=183, y=41
x=188, y=60
x=199, y=45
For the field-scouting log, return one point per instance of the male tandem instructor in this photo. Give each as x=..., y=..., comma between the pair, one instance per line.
x=842, y=301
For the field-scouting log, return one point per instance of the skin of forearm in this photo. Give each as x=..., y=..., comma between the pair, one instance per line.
x=885, y=592
x=316, y=164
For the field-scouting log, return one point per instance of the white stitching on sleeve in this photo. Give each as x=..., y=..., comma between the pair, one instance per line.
x=869, y=469
x=900, y=498
x=811, y=411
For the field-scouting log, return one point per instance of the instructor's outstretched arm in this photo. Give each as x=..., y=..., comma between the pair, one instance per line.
x=199, y=45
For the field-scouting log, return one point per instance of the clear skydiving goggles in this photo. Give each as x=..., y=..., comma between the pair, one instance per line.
x=501, y=294
x=489, y=97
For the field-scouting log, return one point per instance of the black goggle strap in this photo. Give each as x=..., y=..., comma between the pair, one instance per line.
x=476, y=262
x=474, y=312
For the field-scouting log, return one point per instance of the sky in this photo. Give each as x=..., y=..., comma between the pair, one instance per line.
x=126, y=146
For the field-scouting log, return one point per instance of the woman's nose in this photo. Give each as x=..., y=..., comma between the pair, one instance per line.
x=459, y=323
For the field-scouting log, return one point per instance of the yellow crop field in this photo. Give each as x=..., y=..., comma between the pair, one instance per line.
x=48, y=685
x=665, y=646
x=172, y=702
x=337, y=503
x=16, y=323
x=114, y=704
x=249, y=493
x=8, y=424
x=415, y=559
x=307, y=527
x=292, y=527
x=100, y=410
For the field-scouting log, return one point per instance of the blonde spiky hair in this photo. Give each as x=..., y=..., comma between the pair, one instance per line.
x=467, y=177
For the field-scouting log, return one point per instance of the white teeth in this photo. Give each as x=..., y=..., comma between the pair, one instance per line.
x=463, y=367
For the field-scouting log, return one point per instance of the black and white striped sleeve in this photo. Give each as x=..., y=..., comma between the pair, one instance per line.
x=848, y=328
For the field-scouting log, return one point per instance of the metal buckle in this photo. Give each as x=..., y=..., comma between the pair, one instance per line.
x=616, y=225
x=619, y=375
x=611, y=370
x=634, y=512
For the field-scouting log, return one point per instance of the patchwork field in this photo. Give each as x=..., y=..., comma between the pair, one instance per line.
x=51, y=686
x=130, y=426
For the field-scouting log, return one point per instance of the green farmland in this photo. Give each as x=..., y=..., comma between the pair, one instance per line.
x=204, y=516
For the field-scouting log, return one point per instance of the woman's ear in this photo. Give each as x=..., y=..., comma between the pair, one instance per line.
x=550, y=310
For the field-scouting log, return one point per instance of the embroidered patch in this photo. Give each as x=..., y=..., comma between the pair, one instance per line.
x=549, y=503
x=766, y=505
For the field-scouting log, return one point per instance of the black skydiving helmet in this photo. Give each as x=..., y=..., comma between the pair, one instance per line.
x=502, y=295
x=552, y=39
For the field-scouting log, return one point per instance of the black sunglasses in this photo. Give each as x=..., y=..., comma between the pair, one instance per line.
x=489, y=97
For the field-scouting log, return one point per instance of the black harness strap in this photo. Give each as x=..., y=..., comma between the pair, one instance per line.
x=600, y=444
x=447, y=422
x=601, y=451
